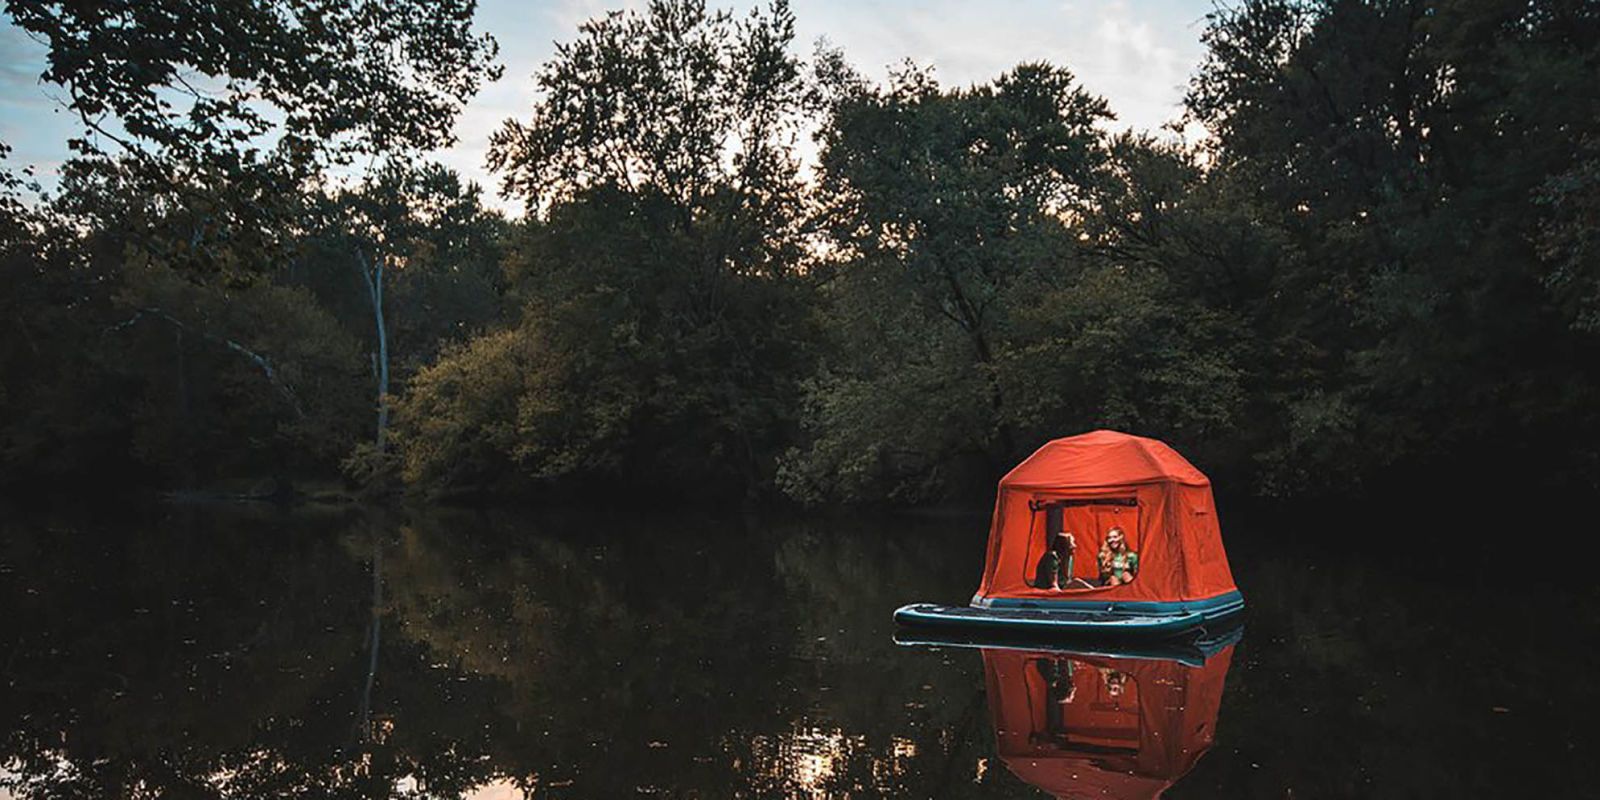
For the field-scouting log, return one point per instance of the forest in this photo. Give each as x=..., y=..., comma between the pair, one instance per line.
x=746, y=272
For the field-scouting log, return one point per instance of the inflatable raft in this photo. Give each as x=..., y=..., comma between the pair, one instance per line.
x=1099, y=535
x=1089, y=618
x=1190, y=651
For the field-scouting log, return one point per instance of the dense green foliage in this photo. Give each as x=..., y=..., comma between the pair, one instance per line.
x=1380, y=260
x=664, y=326
x=188, y=306
x=1393, y=156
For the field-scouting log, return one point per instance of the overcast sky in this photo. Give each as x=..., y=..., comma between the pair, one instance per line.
x=1138, y=54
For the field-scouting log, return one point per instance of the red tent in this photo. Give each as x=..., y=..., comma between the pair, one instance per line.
x=1087, y=485
x=1082, y=726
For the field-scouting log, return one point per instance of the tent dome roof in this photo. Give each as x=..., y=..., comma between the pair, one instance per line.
x=1102, y=458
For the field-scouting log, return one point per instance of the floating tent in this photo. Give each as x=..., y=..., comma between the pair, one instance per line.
x=1087, y=485
x=1090, y=483
x=1102, y=727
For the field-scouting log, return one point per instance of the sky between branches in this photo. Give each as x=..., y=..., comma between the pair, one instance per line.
x=1138, y=54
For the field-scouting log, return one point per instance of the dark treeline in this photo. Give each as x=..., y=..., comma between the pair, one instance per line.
x=745, y=272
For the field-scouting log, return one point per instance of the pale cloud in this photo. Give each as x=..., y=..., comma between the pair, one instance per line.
x=567, y=15
x=1138, y=55
x=1142, y=71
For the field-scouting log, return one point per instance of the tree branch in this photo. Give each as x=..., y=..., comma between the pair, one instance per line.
x=262, y=362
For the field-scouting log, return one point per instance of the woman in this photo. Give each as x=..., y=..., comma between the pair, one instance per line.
x=1064, y=546
x=1055, y=566
x=1118, y=564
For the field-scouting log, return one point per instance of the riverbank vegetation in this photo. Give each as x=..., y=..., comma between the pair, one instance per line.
x=750, y=272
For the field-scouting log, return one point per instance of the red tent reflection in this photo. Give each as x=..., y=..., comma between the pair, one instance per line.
x=1093, y=726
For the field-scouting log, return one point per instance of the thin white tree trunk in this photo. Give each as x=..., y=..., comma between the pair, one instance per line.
x=374, y=278
x=383, y=359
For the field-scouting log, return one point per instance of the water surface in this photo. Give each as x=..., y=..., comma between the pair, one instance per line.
x=251, y=652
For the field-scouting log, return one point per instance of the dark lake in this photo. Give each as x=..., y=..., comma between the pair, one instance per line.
x=252, y=652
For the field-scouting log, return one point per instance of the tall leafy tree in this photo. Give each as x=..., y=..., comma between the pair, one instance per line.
x=129, y=356
x=230, y=108
x=160, y=267
x=1391, y=154
x=944, y=210
x=418, y=231
x=664, y=316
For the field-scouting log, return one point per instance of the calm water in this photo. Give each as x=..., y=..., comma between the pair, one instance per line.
x=219, y=652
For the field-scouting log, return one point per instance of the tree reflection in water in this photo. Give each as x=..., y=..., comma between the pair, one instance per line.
x=228, y=653
x=238, y=654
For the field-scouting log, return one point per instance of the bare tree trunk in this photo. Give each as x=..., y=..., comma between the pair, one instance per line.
x=373, y=274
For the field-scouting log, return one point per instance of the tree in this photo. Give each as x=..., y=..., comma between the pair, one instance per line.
x=184, y=81
x=664, y=310
x=945, y=211
x=1569, y=238
x=129, y=354
x=1389, y=152
x=692, y=105
x=163, y=271
x=419, y=230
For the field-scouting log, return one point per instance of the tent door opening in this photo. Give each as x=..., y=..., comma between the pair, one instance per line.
x=1088, y=520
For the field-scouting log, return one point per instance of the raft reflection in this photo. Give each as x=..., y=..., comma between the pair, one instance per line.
x=1104, y=725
